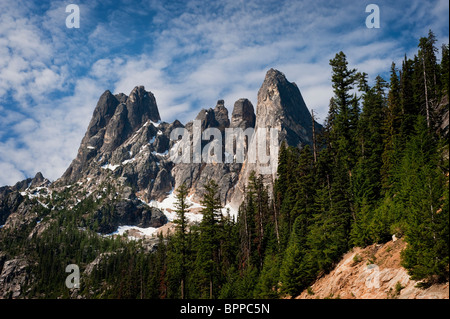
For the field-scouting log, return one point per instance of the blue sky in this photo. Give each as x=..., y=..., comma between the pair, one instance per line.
x=189, y=53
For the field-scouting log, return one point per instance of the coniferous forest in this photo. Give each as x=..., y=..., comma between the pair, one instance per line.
x=378, y=168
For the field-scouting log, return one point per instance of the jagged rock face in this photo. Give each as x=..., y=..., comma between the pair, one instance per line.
x=131, y=212
x=217, y=117
x=221, y=115
x=9, y=203
x=123, y=138
x=196, y=175
x=13, y=277
x=280, y=107
x=115, y=118
x=13, y=205
x=243, y=115
x=124, y=161
x=141, y=106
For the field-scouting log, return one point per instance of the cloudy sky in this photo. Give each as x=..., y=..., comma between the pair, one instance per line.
x=189, y=53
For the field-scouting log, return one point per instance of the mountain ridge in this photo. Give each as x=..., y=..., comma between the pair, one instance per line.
x=122, y=169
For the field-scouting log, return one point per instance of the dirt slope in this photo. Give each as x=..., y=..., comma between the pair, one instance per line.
x=372, y=273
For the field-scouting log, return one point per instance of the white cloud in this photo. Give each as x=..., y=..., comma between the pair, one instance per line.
x=189, y=54
x=10, y=173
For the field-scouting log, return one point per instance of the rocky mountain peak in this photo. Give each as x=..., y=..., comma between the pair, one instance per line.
x=275, y=76
x=115, y=119
x=141, y=106
x=122, y=138
x=281, y=105
x=243, y=115
x=217, y=117
x=103, y=112
x=221, y=115
x=39, y=181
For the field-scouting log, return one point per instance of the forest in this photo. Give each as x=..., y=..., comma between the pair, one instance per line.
x=379, y=168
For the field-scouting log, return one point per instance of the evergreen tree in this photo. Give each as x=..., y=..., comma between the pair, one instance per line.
x=177, y=254
x=267, y=285
x=426, y=64
x=408, y=100
x=294, y=272
x=208, y=254
x=391, y=128
x=367, y=179
x=424, y=194
x=346, y=113
x=287, y=193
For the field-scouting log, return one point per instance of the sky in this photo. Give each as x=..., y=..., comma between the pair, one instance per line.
x=188, y=53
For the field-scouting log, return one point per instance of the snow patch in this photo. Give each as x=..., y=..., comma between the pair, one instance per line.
x=121, y=230
x=167, y=206
x=110, y=167
x=128, y=161
x=160, y=154
x=233, y=212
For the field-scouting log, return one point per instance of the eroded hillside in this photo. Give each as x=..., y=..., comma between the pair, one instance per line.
x=374, y=272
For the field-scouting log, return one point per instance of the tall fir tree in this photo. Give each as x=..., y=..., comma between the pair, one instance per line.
x=208, y=251
x=177, y=255
x=428, y=78
x=423, y=193
x=367, y=178
x=391, y=128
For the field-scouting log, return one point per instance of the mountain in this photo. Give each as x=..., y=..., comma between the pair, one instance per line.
x=124, y=174
x=280, y=107
x=126, y=137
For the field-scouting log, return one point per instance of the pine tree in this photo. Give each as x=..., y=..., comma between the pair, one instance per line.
x=267, y=285
x=346, y=113
x=293, y=274
x=422, y=193
x=255, y=223
x=391, y=128
x=178, y=251
x=367, y=178
x=426, y=63
x=408, y=100
x=287, y=193
x=209, y=245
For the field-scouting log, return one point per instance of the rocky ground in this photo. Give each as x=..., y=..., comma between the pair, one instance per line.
x=374, y=272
